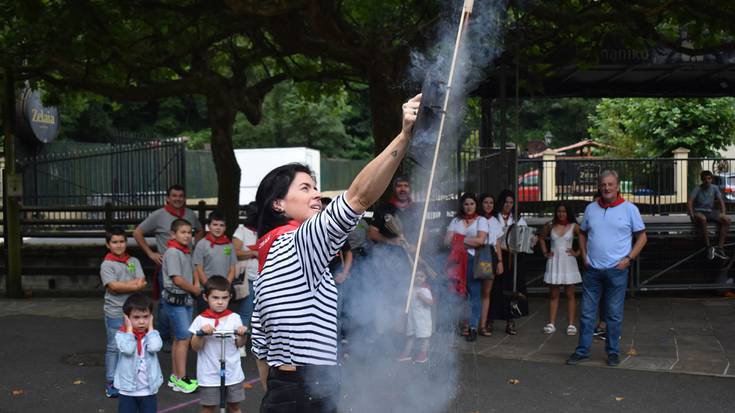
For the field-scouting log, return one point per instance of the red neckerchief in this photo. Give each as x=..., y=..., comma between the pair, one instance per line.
x=172, y=243
x=208, y=313
x=619, y=200
x=399, y=204
x=177, y=212
x=222, y=239
x=117, y=258
x=264, y=243
x=469, y=218
x=457, y=265
x=138, y=337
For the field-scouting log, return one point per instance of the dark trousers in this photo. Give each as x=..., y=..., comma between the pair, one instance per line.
x=142, y=404
x=310, y=389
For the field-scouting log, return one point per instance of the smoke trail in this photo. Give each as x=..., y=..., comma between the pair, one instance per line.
x=373, y=381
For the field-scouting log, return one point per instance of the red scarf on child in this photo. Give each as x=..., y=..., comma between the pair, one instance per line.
x=619, y=200
x=264, y=243
x=172, y=243
x=222, y=239
x=138, y=337
x=121, y=258
x=457, y=265
x=208, y=313
x=177, y=212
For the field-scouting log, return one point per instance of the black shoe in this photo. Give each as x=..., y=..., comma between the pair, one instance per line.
x=575, y=359
x=510, y=328
x=613, y=360
x=472, y=336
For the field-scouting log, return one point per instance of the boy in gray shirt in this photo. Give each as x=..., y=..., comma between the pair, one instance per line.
x=121, y=275
x=215, y=254
x=179, y=285
x=701, y=205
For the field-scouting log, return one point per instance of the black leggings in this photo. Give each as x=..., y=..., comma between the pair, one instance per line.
x=309, y=389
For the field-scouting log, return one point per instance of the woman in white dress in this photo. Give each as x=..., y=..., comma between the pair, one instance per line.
x=561, y=263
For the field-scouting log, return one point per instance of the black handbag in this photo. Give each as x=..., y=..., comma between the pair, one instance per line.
x=483, y=266
x=175, y=298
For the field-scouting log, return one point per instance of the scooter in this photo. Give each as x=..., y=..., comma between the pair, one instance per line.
x=222, y=335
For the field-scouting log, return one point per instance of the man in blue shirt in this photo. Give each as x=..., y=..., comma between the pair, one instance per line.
x=609, y=225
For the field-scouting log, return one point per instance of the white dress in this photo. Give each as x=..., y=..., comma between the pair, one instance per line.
x=562, y=269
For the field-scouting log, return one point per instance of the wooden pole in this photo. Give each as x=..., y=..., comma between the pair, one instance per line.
x=466, y=12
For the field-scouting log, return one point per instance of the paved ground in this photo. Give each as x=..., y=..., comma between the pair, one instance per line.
x=678, y=360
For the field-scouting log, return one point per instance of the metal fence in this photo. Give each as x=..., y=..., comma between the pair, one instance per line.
x=133, y=174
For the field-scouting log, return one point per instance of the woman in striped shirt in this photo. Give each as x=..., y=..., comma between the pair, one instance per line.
x=294, y=322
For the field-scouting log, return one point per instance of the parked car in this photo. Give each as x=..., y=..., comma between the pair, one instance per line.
x=529, y=188
x=726, y=182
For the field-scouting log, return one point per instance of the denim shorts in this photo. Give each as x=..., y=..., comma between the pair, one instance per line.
x=180, y=319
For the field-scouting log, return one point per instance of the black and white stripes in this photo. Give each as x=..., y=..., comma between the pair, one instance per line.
x=295, y=316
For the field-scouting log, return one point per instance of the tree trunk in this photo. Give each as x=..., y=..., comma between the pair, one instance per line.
x=386, y=98
x=221, y=115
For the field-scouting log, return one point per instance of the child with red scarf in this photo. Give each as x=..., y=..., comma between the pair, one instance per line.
x=121, y=275
x=561, y=263
x=208, y=348
x=214, y=254
x=179, y=288
x=138, y=374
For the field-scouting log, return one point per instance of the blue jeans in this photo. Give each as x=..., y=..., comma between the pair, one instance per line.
x=246, y=305
x=474, y=293
x=609, y=284
x=180, y=318
x=139, y=404
x=112, y=325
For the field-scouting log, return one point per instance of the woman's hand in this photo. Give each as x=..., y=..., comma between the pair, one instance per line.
x=550, y=254
x=572, y=253
x=410, y=112
x=499, y=268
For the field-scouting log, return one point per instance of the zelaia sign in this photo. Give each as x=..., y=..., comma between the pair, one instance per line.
x=35, y=121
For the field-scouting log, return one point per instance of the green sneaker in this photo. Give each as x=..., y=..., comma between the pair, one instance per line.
x=185, y=385
x=172, y=381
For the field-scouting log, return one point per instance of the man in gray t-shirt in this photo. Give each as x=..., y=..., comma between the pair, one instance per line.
x=159, y=223
x=706, y=204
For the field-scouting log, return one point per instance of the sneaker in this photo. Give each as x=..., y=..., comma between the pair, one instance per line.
x=710, y=253
x=613, y=360
x=549, y=329
x=110, y=391
x=404, y=357
x=472, y=336
x=571, y=330
x=185, y=385
x=172, y=381
x=600, y=333
x=423, y=357
x=575, y=359
x=720, y=253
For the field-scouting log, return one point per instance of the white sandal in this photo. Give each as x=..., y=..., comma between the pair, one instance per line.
x=549, y=329
x=571, y=330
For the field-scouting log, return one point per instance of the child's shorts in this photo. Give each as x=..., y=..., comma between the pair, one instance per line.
x=180, y=318
x=209, y=396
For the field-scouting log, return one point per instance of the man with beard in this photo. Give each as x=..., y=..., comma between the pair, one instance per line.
x=701, y=205
x=394, y=231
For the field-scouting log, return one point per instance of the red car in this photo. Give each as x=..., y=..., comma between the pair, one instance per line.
x=528, y=186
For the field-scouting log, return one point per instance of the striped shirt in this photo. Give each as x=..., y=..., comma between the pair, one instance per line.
x=295, y=316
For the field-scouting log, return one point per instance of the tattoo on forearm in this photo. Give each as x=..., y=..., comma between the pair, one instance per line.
x=394, y=153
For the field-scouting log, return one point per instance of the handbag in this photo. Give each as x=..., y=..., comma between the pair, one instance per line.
x=240, y=289
x=483, y=267
x=175, y=298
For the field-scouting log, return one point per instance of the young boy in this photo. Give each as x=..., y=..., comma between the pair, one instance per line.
x=218, y=317
x=121, y=276
x=138, y=374
x=214, y=254
x=419, y=323
x=179, y=285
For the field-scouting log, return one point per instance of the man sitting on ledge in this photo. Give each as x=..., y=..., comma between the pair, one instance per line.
x=701, y=206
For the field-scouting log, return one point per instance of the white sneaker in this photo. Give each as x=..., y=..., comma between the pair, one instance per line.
x=571, y=330
x=243, y=352
x=549, y=329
